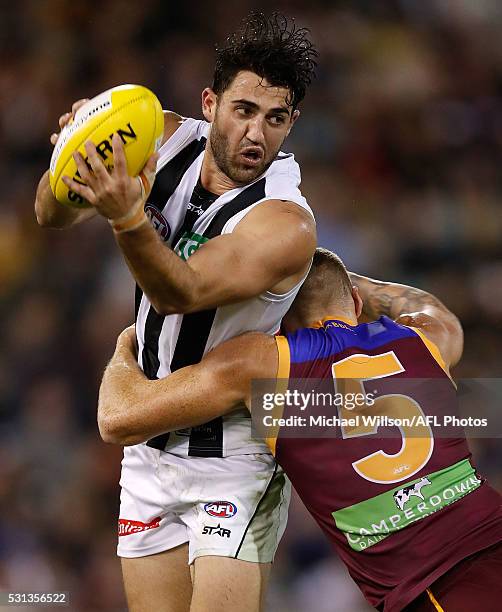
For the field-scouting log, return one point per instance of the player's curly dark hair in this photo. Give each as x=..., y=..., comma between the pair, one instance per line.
x=274, y=48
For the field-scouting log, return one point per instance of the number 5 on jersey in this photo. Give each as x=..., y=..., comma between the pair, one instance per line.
x=349, y=375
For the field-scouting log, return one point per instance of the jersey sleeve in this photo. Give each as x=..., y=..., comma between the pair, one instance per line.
x=281, y=386
x=284, y=357
x=283, y=182
x=433, y=349
x=306, y=347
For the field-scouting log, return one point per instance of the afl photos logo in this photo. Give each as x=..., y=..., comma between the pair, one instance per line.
x=221, y=509
x=159, y=222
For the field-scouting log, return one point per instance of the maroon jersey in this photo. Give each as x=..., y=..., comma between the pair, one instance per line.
x=400, y=510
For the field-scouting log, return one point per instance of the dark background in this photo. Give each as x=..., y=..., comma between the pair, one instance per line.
x=399, y=144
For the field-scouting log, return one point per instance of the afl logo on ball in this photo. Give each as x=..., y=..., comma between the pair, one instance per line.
x=221, y=509
x=158, y=221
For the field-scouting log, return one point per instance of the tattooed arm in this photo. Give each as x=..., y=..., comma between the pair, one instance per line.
x=415, y=308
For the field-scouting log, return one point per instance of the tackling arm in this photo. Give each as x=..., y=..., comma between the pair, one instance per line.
x=133, y=409
x=415, y=308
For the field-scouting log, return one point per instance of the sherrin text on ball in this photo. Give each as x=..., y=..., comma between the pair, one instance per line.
x=131, y=111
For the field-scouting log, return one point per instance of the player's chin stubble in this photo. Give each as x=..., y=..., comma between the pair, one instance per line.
x=220, y=148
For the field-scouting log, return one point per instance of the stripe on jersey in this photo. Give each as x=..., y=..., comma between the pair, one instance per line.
x=281, y=386
x=169, y=177
x=206, y=440
x=165, y=185
x=433, y=350
x=308, y=344
x=434, y=601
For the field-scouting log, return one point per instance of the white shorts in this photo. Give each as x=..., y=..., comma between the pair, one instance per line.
x=235, y=506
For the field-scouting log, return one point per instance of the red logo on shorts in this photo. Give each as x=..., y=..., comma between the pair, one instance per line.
x=127, y=527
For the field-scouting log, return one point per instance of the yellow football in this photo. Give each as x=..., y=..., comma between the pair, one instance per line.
x=131, y=111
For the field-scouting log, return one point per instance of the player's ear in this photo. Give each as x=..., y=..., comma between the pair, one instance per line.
x=294, y=116
x=209, y=101
x=358, y=302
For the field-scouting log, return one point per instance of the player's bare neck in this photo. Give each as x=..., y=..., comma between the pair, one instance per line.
x=212, y=178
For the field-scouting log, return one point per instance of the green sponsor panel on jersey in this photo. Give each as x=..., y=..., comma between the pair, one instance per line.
x=189, y=243
x=370, y=521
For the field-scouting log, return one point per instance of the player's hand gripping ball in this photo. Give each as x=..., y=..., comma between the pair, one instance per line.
x=131, y=111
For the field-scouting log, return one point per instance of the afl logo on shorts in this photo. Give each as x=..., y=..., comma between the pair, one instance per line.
x=158, y=221
x=221, y=509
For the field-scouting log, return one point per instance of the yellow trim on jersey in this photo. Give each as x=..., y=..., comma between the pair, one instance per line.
x=322, y=321
x=433, y=350
x=434, y=601
x=284, y=357
x=281, y=385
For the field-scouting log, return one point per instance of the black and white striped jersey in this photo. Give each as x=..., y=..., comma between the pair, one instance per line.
x=185, y=215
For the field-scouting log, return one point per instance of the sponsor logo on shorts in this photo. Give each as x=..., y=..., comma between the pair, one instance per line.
x=221, y=509
x=158, y=221
x=218, y=530
x=403, y=496
x=128, y=527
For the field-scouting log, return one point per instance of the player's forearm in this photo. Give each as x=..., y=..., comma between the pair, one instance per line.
x=168, y=282
x=117, y=398
x=416, y=308
x=393, y=299
x=133, y=409
x=123, y=402
x=50, y=213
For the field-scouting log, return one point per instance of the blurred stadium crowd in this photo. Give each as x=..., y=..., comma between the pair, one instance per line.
x=400, y=148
